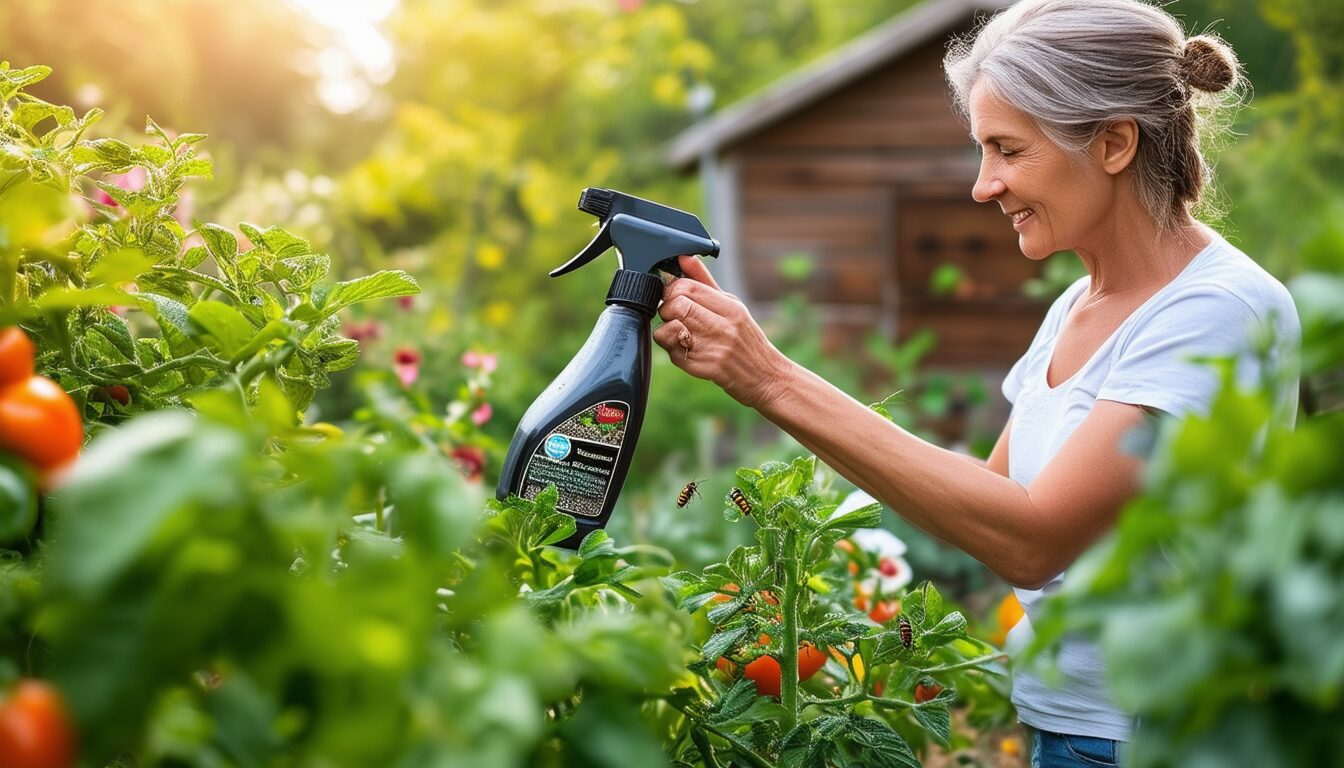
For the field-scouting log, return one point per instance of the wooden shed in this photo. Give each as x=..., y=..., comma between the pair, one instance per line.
x=859, y=163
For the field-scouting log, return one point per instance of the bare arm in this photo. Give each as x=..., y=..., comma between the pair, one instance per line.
x=1026, y=535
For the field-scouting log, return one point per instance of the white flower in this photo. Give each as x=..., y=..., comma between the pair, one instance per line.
x=893, y=572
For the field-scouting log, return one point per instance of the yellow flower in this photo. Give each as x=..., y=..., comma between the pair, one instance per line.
x=498, y=313
x=490, y=256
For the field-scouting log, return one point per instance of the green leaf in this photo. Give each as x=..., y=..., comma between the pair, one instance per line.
x=721, y=643
x=18, y=500
x=275, y=329
x=336, y=355
x=950, y=627
x=933, y=715
x=380, y=285
x=279, y=242
x=137, y=477
x=886, y=746
x=106, y=154
x=221, y=243
x=71, y=298
x=120, y=266
x=221, y=327
x=193, y=257
x=117, y=331
x=734, y=702
x=28, y=114
x=14, y=80
x=597, y=544
x=300, y=273
x=199, y=167
x=868, y=516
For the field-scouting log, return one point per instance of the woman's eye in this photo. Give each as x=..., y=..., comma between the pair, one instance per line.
x=1007, y=152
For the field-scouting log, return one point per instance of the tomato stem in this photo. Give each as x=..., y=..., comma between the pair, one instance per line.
x=967, y=663
x=788, y=663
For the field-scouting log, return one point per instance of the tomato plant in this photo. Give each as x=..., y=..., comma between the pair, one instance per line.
x=826, y=711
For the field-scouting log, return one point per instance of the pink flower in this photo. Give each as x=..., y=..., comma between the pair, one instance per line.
x=406, y=362
x=132, y=181
x=473, y=359
x=406, y=302
x=366, y=331
x=629, y=6
x=482, y=414
x=186, y=206
x=471, y=459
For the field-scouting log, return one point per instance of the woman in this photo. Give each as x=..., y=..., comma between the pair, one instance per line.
x=1087, y=114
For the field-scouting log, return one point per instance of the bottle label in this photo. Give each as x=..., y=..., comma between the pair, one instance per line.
x=579, y=459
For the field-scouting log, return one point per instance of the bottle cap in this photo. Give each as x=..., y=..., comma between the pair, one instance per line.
x=636, y=289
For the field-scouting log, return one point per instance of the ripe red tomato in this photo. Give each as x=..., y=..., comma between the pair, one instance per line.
x=16, y=356
x=765, y=672
x=926, y=690
x=35, y=730
x=119, y=392
x=40, y=423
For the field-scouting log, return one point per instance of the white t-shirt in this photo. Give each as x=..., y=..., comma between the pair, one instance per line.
x=1212, y=308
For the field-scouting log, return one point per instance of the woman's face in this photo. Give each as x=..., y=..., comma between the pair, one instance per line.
x=1054, y=199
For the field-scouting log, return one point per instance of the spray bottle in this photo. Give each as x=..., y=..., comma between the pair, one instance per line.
x=580, y=434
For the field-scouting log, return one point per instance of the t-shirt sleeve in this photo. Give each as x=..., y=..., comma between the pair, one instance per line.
x=1159, y=366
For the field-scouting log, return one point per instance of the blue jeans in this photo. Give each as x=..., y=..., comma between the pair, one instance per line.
x=1058, y=750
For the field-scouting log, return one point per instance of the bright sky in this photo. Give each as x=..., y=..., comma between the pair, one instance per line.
x=361, y=57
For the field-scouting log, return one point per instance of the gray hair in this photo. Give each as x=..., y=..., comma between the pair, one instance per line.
x=1078, y=66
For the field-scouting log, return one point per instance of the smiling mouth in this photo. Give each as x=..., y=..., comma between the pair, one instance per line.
x=1021, y=216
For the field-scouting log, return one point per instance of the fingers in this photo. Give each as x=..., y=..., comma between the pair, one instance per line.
x=674, y=337
x=693, y=268
x=707, y=296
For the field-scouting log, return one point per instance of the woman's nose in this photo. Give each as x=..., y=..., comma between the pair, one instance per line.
x=987, y=185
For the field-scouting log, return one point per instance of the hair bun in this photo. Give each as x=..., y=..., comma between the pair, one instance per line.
x=1208, y=64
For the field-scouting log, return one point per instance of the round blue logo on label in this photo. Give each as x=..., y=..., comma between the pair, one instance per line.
x=557, y=446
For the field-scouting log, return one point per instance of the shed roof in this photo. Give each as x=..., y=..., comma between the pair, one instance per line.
x=866, y=53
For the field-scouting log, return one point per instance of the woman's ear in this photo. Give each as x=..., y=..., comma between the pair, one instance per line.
x=1117, y=145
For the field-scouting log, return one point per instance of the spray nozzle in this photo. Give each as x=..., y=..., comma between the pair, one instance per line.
x=648, y=237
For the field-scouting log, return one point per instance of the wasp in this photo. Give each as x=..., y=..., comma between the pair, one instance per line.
x=687, y=491
x=907, y=632
x=740, y=499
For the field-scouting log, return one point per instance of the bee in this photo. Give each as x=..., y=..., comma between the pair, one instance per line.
x=687, y=491
x=740, y=499
x=907, y=632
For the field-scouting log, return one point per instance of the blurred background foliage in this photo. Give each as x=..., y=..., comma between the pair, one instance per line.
x=450, y=139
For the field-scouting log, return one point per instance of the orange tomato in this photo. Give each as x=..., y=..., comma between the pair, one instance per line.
x=885, y=611
x=35, y=730
x=733, y=589
x=40, y=423
x=16, y=356
x=765, y=671
x=1008, y=614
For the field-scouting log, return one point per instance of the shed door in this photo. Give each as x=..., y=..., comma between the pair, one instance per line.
x=984, y=320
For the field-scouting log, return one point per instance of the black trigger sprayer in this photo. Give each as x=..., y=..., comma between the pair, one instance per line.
x=580, y=433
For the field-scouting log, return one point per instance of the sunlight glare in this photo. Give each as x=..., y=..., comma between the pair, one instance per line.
x=362, y=56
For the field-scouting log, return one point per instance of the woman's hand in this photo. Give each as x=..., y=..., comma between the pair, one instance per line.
x=710, y=335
